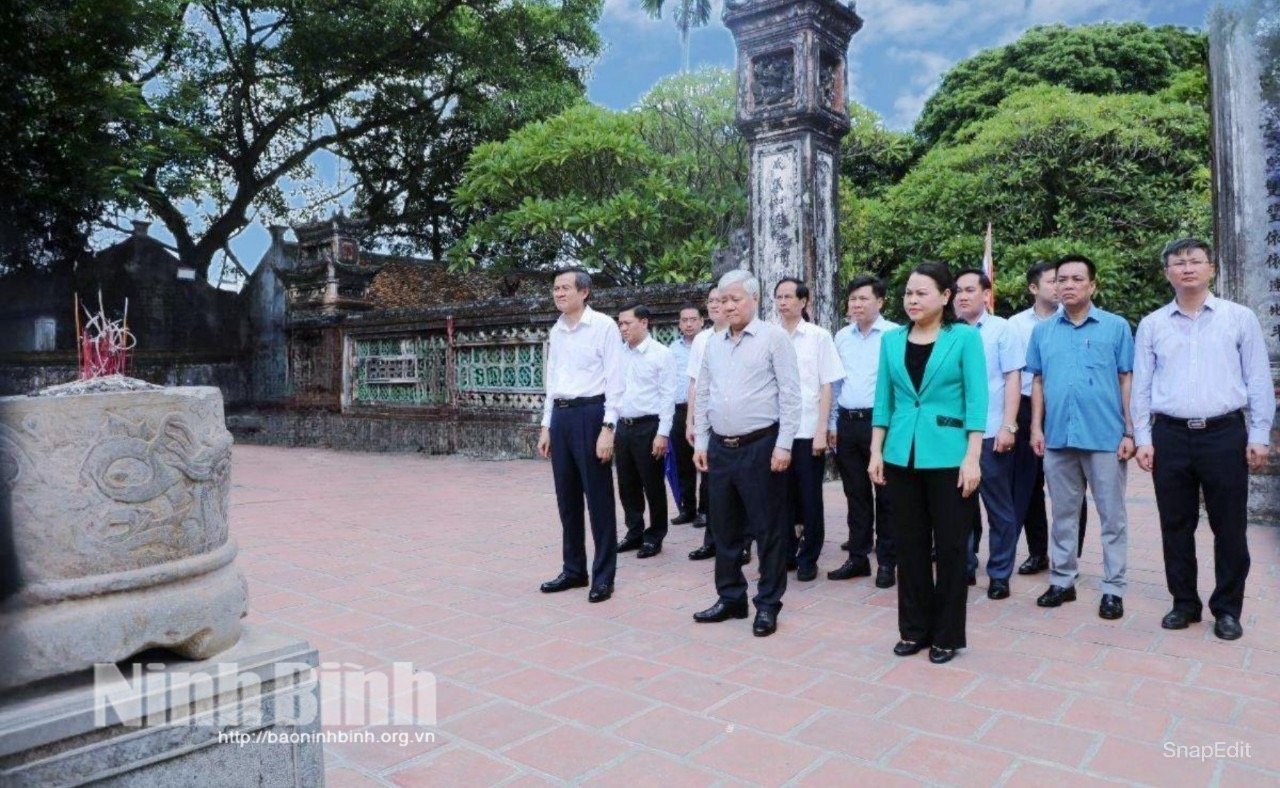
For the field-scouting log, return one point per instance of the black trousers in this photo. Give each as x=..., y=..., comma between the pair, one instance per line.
x=641, y=478
x=1187, y=462
x=1028, y=491
x=749, y=502
x=685, y=472
x=579, y=473
x=929, y=510
x=804, y=498
x=870, y=513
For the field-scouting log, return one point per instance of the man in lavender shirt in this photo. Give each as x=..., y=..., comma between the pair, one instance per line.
x=1200, y=362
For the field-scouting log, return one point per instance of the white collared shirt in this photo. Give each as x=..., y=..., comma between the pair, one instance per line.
x=748, y=384
x=584, y=361
x=860, y=356
x=1198, y=367
x=1023, y=324
x=1005, y=352
x=648, y=383
x=819, y=365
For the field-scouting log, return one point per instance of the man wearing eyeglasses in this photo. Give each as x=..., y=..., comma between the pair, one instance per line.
x=1200, y=362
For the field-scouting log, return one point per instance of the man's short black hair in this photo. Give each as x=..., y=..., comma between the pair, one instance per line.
x=690, y=305
x=1181, y=245
x=1077, y=258
x=640, y=311
x=867, y=280
x=984, y=281
x=1037, y=270
x=581, y=279
x=802, y=289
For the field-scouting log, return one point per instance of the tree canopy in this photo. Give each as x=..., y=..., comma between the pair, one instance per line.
x=240, y=94
x=1111, y=176
x=1099, y=59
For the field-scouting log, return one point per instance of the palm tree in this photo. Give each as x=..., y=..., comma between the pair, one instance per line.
x=688, y=15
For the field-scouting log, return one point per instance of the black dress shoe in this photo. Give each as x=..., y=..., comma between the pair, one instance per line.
x=684, y=518
x=649, y=550
x=1034, y=565
x=766, y=623
x=807, y=573
x=563, y=583
x=1179, y=619
x=745, y=558
x=599, y=593
x=939, y=656
x=1111, y=607
x=999, y=589
x=906, y=648
x=1056, y=595
x=721, y=611
x=703, y=553
x=853, y=567
x=630, y=543
x=701, y=522
x=884, y=577
x=792, y=565
x=1228, y=627
x=971, y=578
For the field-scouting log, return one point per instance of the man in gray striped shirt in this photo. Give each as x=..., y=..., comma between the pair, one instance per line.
x=747, y=414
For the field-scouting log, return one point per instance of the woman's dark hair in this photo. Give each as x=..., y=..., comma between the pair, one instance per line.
x=802, y=293
x=941, y=276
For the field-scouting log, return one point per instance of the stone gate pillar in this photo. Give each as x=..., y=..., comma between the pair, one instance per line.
x=792, y=109
x=1244, y=70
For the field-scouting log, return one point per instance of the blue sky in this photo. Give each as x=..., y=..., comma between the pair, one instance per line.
x=895, y=62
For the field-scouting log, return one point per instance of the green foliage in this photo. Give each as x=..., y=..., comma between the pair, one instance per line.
x=1097, y=59
x=1111, y=176
x=64, y=107
x=241, y=94
x=584, y=186
x=872, y=156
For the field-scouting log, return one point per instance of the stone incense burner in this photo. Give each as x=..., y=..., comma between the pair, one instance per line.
x=113, y=527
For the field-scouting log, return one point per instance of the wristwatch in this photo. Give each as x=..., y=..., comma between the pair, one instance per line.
x=608, y=425
x=1012, y=429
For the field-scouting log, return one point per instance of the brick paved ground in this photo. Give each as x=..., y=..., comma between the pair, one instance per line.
x=379, y=558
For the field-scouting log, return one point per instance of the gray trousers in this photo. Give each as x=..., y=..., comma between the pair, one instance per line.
x=1065, y=472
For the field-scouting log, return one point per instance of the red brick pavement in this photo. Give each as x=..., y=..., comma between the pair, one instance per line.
x=383, y=558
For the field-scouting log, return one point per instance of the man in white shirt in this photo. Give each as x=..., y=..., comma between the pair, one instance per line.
x=1006, y=356
x=849, y=434
x=644, y=424
x=584, y=383
x=819, y=366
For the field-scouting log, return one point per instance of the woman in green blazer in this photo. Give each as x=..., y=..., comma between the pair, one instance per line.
x=926, y=441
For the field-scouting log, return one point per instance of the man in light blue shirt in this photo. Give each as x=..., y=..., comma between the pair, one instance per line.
x=1082, y=359
x=1201, y=361
x=1006, y=356
x=849, y=433
x=690, y=324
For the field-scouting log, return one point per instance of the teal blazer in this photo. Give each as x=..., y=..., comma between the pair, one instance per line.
x=951, y=403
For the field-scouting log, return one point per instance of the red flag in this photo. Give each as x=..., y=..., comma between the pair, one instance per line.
x=989, y=268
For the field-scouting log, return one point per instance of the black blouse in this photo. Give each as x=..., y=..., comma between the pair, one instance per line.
x=917, y=358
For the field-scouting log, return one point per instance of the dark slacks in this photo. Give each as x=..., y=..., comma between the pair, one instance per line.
x=579, y=473
x=870, y=513
x=1028, y=490
x=641, y=478
x=1213, y=460
x=997, y=498
x=929, y=510
x=749, y=502
x=685, y=472
x=804, y=498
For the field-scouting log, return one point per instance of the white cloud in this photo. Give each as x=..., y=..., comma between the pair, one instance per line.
x=926, y=68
